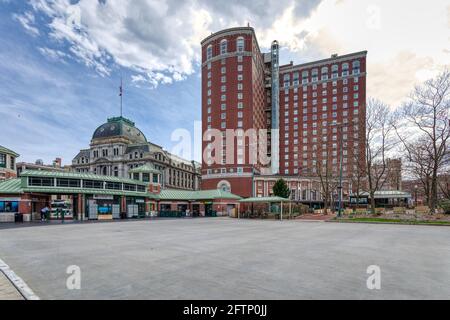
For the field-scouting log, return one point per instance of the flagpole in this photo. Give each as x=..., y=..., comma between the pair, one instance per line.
x=121, y=96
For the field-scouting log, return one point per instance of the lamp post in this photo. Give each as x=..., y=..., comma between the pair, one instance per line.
x=341, y=160
x=415, y=189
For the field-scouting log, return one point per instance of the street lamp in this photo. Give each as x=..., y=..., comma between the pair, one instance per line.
x=341, y=160
x=415, y=189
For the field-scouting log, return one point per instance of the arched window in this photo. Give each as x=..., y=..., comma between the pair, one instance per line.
x=324, y=73
x=209, y=52
x=287, y=80
x=296, y=78
x=315, y=75
x=356, y=66
x=240, y=44
x=305, y=75
x=334, y=71
x=116, y=171
x=345, y=68
x=223, y=46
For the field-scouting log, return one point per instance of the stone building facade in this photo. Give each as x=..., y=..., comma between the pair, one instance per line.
x=118, y=146
x=7, y=163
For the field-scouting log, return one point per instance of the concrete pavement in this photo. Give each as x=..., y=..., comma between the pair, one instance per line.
x=231, y=259
x=7, y=290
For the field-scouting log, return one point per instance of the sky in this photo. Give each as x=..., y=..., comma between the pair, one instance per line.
x=61, y=61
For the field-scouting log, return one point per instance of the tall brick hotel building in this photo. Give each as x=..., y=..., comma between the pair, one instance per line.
x=312, y=112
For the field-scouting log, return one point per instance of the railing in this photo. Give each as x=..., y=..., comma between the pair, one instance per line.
x=172, y=214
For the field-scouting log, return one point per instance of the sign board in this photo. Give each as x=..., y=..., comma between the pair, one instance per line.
x=103, y=197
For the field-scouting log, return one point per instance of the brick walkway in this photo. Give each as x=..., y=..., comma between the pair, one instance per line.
x=316, y=217
x=7, y=290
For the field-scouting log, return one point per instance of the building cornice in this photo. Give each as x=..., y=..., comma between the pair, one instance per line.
x=355, y=55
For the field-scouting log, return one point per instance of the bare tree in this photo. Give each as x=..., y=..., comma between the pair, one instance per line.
x=358, y=177
x=379, y=141
x=427, y=113
x=328, y=181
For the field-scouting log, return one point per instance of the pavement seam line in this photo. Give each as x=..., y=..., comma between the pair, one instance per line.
x=17, y=282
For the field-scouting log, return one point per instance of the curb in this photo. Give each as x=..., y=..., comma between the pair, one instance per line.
x=17, y=282
x=394, y=223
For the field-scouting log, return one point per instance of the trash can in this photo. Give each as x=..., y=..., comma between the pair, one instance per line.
x=18, y=217
x=27, y=218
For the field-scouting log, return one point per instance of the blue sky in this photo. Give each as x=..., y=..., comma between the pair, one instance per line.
x=61, y=60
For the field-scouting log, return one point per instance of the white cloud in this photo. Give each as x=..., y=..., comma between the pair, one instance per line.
x=407, y=41
x=160, y=40
x=27, y=21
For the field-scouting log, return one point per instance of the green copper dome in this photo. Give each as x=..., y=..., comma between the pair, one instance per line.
x=119, y=127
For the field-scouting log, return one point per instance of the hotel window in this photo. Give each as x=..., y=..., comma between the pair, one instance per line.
x=223, y=107
x=223, y=79
x=209, y=109
x=223, y=125
x=240, y=68
x=209, y=101
x=209, y=65
x=345, y=68
x=240, y=114
x=209, y=83
x=209, y=75
x=356, y=96
x=223, y=116
x=240, y=95
x=223, y=70
x=305, y=75
x=209, y=52
x=209, y=92
x=356, y=67
x=315, y=75
x=223, y=46
x=240, y=77
x=296, y=79
x=240, y=86
x=334, y=71
x=324, y=73
x=223, y=97
x=240, y=124
x=240, y=105
x=355, y=88
x=223, y=88
x=287, y=80
x=240, y=44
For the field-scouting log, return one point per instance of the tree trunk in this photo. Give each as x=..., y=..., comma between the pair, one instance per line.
x=372, y=202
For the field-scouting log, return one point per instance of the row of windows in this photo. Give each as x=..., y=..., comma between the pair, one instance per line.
x=224, y=47
x=306, y=78
x=238, y=170
x=77, y=183
x=3, y=163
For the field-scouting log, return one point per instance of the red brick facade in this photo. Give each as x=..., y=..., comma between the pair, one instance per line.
x=320, y=104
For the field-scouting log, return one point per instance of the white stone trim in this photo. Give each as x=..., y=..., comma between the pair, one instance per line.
x=17, y=282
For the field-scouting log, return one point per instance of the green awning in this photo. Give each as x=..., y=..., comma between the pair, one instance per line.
x=264, y=200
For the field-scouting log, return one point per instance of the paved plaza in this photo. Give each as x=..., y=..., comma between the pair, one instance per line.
x=229, y=259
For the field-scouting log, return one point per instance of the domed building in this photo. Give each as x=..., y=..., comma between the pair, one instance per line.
x=118, y=146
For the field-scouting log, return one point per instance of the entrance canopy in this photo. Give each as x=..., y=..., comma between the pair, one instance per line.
x=265, y=200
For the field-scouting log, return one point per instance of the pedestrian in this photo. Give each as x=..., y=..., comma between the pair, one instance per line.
x=44, y=213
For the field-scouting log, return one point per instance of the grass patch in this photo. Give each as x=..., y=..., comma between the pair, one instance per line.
x=397, y=221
